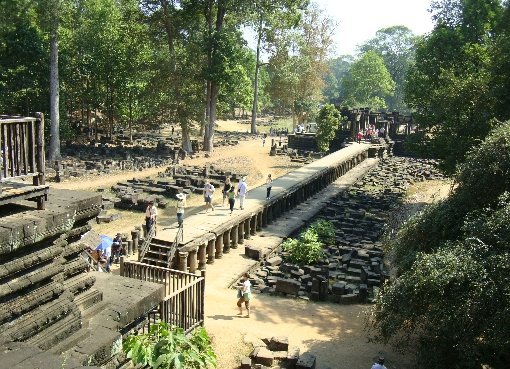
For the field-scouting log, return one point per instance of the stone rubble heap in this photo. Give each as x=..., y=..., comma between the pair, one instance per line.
x=145, y=151
x=353, y=269
x=135, y=194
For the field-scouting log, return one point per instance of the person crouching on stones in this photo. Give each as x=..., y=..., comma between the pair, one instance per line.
x=244, y=295
x=180, y=205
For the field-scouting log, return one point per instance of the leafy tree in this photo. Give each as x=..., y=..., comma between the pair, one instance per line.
x=327, y=125
x=299, y=64
x=164, y=347
x=450, y=299
x=396, y=45
x=449, y=86
x=338, y=69
x=500, y=56
x=307, y=249
x=270, y=16
x=368, y=83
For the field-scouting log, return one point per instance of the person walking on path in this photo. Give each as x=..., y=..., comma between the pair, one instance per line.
x=208, y=195
x=226, y=188
x=242, y=189
x=379, y=364
x=269, y=185
x=180, y=205
x=151, y=214
x=231, y=198
x=244, y=295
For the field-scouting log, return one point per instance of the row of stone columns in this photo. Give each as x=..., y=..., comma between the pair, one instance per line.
x=207, y=253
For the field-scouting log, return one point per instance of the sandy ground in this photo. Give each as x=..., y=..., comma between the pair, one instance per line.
x=333, y=332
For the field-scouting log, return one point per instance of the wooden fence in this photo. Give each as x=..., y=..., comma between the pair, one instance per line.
x=22, y=145
x=183, y=305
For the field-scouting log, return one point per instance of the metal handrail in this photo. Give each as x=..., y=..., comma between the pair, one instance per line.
x=178, y=237
x=147, y=242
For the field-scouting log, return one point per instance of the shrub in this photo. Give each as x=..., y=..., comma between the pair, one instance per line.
x=167, y=348
x=307, y=249
x=325, y=230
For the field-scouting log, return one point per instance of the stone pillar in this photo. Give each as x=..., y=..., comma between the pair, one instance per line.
x=183, y=261
x=192, y=261
x=201, y=257
x=210, y=252
x=247, y=229
x=264, y=217
x=135, y=235
x=219, y=247
x=129, y=249
x=233, y=237
x=240, y=233
x=253, y=224
x=226, y=242
x=259, y=221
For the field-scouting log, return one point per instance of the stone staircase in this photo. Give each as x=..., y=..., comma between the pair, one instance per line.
x=159, y=253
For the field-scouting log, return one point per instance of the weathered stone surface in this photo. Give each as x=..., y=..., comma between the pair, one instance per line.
x=306, y=361
x=288, y=286
x=280, y=343
x=264, y=357
x=245, y=363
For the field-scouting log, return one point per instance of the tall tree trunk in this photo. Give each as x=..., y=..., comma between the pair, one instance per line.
x=186, y=141
x=256, y=82
x=54, y=150
x=211, y=122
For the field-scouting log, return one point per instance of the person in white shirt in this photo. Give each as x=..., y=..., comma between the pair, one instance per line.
x=379, y=364
x=180, y=205
x=151, y=213
x=269, y=185
x=242, y=189
x=208, y=195
x=244, y=295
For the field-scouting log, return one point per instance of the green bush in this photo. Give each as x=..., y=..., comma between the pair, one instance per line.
x=307, y=249
x=167, y=348
x=325, y=230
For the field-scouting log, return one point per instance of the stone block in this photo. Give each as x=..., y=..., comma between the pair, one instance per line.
x=351, y=298
x=276, y=260
x=263, y=357
x=292, y=357
x=306, y=361
x=254, y=253
x=245, y=363
x=278, y=343
x=288, y=286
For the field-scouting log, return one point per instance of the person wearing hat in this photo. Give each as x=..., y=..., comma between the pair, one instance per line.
x=151, y=213
x=180, y=205
x=242, y=189
x=379, y=364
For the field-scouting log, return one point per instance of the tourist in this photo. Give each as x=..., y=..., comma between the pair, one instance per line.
x=117, y=249
x=269, y=185
x=382, y=132
x=242, y=189
x=180, y=205
x=231, y=198
x=105, y=259
x=226, y=188
x=244, y=295
x=208, y=195
x=264, y=136
x=151, y=214
x=379, y=364
x=360, y=136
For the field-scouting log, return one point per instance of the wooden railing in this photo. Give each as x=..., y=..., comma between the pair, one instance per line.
x=183, y=305
x=22, y=145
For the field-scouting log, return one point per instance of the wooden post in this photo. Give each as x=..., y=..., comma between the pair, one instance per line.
x=121, y=271
x=40, y=179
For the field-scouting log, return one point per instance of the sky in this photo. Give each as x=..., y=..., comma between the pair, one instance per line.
x=359, y=20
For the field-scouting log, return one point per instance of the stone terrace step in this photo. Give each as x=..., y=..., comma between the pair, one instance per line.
x=88, y=298
x=57, y=332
